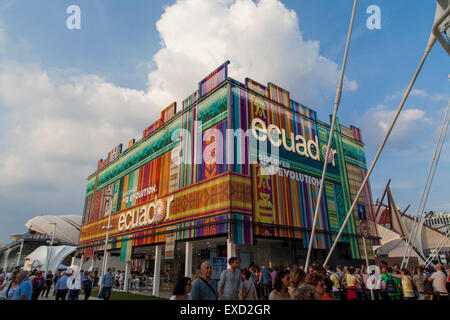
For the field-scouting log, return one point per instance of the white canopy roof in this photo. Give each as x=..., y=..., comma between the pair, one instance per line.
x=38, y=258
x=392, y=244
x=67, y=227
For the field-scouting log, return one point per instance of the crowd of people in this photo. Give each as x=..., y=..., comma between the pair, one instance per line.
x=67, y=284
x=317, y=283
x=252, y=283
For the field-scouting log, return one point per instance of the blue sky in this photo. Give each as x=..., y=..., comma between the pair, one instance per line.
x=69, y=96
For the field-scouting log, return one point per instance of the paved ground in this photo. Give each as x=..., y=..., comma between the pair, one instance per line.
x=80, y=298
x=163, y=293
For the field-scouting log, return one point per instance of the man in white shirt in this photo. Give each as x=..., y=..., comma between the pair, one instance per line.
x=74, y=284
x=374, y=283
x=439, y=282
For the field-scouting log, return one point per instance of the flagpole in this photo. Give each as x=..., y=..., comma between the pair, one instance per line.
x=367, y=264
x=330, y=139
x=108, y=227
x=429, y=180
x=431, y=42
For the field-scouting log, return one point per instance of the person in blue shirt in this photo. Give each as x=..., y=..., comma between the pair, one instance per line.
x=231, y=283
x=267, y=281
x=48, y=284
x=204, y=288
x=86, y=281
x=24, y=289
x=55, y=280
x=9, y=288
x=61, y=287
x=107, y=283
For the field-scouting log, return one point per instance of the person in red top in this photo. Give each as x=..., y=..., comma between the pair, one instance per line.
x=38, y=283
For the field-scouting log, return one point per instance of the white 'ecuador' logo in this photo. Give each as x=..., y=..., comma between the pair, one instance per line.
x=299, y=145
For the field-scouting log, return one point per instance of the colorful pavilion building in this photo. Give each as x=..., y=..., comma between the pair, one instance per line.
x=234, y=172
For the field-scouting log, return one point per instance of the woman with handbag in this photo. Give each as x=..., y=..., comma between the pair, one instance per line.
x=249, y=288
x=350, y=282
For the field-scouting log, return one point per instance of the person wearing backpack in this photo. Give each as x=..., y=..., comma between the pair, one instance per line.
x=392, y=285
x=334, y=277
x=407, y=284
x=38, y=283
x=383, y=291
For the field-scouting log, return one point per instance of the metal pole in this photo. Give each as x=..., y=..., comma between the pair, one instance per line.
x=382, y=198
x=439, y=247
x=81, y=262
x=51, y=248
x=441, y=142
x=125, y=282
x=367, y=264
x=20, y=252
x=105, y=251
x=423, y=199
x=431, y=42
x=108, y=227
x=438, y=22
x=330, y=139
x=435, y=253
x=404, y=211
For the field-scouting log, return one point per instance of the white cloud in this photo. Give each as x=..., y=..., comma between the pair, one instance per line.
x=421, y=93
x=75, y=119
x=49, y=125
x=262, y=40
x=410, y=124
x=432, y=96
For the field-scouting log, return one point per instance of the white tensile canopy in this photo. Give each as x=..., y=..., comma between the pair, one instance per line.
x=67, y=227
x=38, y=258
x=392, y=244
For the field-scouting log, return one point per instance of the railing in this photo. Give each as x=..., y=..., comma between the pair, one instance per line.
x=144, y=283
x=364, y=294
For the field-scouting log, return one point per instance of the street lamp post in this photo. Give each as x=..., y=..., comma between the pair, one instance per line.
x=51, y=248
x=20, y=252
x=108, y=227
